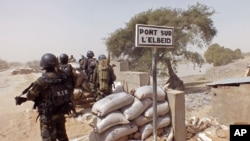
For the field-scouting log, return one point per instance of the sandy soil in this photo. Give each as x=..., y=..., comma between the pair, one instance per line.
x=18, y=123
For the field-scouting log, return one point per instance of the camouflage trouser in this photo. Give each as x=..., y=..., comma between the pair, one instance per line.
x=53, y=128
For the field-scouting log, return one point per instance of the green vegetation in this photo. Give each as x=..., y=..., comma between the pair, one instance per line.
x=219, y=55
x=192, y=27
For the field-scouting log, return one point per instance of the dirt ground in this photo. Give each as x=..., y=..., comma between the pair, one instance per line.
x=18, y=123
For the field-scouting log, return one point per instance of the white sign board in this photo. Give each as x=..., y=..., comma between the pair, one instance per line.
x=153, y=36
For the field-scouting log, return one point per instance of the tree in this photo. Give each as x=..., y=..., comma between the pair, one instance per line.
x=219, y=55
x=237, y=54
x=192, y=27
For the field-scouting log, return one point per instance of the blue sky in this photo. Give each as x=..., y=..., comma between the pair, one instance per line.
x=30, y=28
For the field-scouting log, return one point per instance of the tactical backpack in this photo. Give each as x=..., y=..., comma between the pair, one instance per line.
x=105, y=75
x=90, y=68
x=68, y=70
x=60, y=92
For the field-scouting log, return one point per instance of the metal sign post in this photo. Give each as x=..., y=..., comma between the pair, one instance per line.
x=154, y=60
x=154, y=37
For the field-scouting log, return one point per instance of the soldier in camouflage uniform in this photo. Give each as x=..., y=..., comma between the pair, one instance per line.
x=51, y=111
x=105, y=77
x=90, y=69
x=90, y=66
x=68, y=69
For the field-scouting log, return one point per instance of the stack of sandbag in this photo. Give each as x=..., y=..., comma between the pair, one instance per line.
x=123, y=116
x=118, y=87
x=83, y=98
x=110, y=124
x=144, y=120
x=82, y=94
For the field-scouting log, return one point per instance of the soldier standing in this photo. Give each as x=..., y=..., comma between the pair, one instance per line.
x=52, y=96
x=68, y=69
x=90, y=66
x=105, y=77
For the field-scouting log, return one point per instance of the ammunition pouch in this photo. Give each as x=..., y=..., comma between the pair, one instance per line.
x=45, y=109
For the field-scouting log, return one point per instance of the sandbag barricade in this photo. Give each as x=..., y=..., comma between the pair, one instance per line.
x=82, y=95
x=114, y=133
x=134, y=116
x=147, y=92
x=137, y=108
x=103, y=123
x=162, y=109
x=147, y=129
x=111, y=103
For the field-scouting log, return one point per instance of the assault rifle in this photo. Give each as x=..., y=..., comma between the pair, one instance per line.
x=19, y=100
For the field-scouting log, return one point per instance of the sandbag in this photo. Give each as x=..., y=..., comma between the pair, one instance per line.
x=86, y=94
x=114, y=133
x=162, y=109
x=111, y=103
x=147, y=129
x=147, y=92
x=86, y=86
x=138, y=107
x=118, y=87
x=142, y=120
x=124, y=138
x=77, y=93
x=110, y=120
x=80, y=77
x=87, y=100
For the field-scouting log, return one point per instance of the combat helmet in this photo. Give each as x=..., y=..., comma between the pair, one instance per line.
x=102, y=57
x=64, y=58
x=90, y=54
x=48, y=61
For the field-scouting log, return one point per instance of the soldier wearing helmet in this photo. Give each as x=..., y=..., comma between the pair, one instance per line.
x=72, y=59
x=90, y=66
x=48, y=62
x=65, y=67
x=105, y=77
x=64, y=58
x=52, y=96
x=102, y=57
x=90, y=54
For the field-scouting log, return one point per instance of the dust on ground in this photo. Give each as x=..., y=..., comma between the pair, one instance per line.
x=19, y=122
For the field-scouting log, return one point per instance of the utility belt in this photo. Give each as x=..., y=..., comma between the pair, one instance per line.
x=47, y=110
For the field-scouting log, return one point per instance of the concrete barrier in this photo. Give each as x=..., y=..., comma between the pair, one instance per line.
x=176, y=101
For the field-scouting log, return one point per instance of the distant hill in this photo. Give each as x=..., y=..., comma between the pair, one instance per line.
x=196, y=82
x=237, y=68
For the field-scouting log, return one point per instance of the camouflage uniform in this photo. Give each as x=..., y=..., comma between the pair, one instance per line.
x=52, y=124
x=103, y=93
x=68, y=69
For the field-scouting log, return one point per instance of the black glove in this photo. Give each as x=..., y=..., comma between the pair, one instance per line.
x=20, y=100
